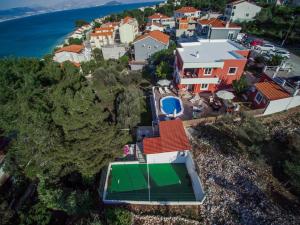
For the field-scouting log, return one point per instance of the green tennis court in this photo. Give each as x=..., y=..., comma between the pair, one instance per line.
x=168, y=182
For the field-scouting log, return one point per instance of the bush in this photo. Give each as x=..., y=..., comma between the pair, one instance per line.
x=117, y=216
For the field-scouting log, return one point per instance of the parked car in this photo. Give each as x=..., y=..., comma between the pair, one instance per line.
x=294, y=80
x=283, y=53
x=265, y=47
x=256, y=42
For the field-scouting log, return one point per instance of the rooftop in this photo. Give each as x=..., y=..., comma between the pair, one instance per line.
x=157, y=35
x=186, y=10
x=102, y=34
x=271, y=90
x=158, y=16
x=217, y=23
x=104, y=29
x=71, y=48
x=209, y=51
x=172, y=138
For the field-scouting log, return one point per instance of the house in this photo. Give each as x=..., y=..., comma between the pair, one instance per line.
x=217, y=29
x=185, y=27
x=154, y=26
x=241, y=10
x=128, y=30
x=148, y=44
x=271, y=97
x=169, y=176
x=73, y=53
x=209, y=65
x=186, y=12
x=100, y=39
x=166, y=21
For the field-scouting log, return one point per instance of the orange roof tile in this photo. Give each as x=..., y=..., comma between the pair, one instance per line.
x=186, y=10
x=127, y=19
x=271, y=90
x=110, y=24
x=102, y=34
x=158, y=16
x=172, y=138
x=71, y=48
x=217, y=23
x=104, y=29
x=157, y=35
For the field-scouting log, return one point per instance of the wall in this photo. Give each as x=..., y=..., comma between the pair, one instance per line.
x=282, y=104
x=196, y=182
x=223, y=33
x=70, y=56
x=166, y=157
x=127, y=33
x=143, y=49
x=113, y=52
x=245, y=8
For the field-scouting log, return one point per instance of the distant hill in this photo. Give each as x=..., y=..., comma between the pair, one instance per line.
x=113, y=3
x=20, y=12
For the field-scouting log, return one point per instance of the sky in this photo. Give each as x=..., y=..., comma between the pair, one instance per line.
x=6, y=4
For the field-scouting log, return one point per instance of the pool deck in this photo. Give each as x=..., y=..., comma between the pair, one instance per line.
x=168, y=182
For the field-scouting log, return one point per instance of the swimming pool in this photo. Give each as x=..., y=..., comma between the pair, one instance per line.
x=171, y=106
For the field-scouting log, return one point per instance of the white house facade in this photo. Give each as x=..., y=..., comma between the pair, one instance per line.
x=128, y=30
x=241, y=10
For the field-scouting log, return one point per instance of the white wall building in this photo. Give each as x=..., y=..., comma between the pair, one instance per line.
x=241, y=10
x=128, y=30
x=102, y=37
x=73, y=53
x=187, y=12
x=154, y=26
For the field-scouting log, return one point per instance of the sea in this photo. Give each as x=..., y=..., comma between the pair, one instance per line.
x=35, y=36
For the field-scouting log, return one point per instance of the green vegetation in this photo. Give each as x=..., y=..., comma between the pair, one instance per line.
x=240, y=85
x=277, y=23
x=80, y=23
x=117, y=216
x=75, y=41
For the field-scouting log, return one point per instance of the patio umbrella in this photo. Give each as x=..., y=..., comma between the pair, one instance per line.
x=164, y=82
x=226, y=95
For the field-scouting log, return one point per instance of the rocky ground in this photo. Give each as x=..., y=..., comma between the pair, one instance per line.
x=238, y=190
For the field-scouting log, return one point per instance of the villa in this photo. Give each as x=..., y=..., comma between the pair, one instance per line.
x=73, y=53
x=166, y=174
x=187, y=12
x=154, y=26
x=128, y=29
x=209, y=65
x=165, y=21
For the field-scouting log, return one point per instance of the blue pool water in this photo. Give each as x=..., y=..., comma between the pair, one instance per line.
x=170, y=104
x=36, y=36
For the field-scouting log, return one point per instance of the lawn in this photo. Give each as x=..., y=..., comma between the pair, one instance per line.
x=168, y=182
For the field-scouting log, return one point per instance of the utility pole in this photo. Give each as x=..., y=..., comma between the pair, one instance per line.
x=289, y=30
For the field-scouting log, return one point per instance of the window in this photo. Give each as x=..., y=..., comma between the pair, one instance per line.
x=232, y=70
x=258, y=98
x=232, y=14
x=207, y=71
x=247, y=14
x=204, y=87
x=234, y=7
x=149, y=47
x=182, y=154
x=144, y=45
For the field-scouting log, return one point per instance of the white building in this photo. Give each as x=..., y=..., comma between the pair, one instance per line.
x=241, y=10
x=154, y=26
x=73, y=53
x=128, y=30
x=166, y=21
x=187, y=12
x=102, y=36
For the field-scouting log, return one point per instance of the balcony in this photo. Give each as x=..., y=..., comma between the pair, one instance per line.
x=192, y=78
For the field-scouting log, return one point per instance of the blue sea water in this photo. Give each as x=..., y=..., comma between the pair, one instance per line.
x=36, y=36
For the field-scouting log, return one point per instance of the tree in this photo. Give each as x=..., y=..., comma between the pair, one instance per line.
x=80, y=23
x=163, y=70
x=276, y=60
x=118, y=216
x=240, y=85
x=75, y=41
x=38, y=214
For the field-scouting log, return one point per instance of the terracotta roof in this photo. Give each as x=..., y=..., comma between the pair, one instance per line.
x=71, y=48
x=186, y=10
x=234, y=2
x=157, y=35
x=127, y=19
x=110, y=24
x=217, y=23
x=172, y=138
x=158, y=16
x=104, y=29
x=102, y=34
x=271, y=90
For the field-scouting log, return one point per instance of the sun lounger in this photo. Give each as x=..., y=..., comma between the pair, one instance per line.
x=161, y=91
x=167, y=90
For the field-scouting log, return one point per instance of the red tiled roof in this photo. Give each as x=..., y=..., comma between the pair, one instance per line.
x=71, y=48
x=110, y=24
x=158, y=16
x=157, y=35
x=271, y=90
x=217, y=23
x=127, y=19
x=104, y=29
x=234, y=2
x=101, y=34
x=153, y=23
x=172, y=138
x=186, y=10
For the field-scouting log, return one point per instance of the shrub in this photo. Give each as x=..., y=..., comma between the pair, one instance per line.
x=117, y=216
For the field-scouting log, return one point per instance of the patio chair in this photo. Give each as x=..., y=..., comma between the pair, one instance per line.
x=161, y=91
x=167, y=90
